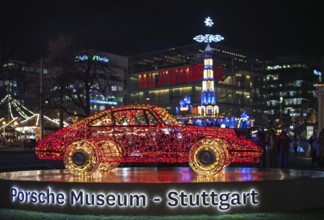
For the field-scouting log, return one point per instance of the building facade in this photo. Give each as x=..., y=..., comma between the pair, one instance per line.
x=118, y=67
x=289, y=91
x=167, y=76
x=92, y=81
x=18, y=79
x=271, y=92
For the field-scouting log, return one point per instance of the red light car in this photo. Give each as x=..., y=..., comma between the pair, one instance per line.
x=140, y=134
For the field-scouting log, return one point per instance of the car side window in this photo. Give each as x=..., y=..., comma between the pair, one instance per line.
x=102, y=121
x=139, y=118
x=152, y=120
x=121, y=118
x=130, y=117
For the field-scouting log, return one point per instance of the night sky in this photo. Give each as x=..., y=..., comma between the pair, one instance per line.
x=269, y=28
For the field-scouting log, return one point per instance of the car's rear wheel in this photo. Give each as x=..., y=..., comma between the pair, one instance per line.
x=110, y=153
x=208, y=156
x=228, y=158
x=81, y=158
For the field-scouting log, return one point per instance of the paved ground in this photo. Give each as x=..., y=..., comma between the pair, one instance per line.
x=16, y=158
x=12, y=159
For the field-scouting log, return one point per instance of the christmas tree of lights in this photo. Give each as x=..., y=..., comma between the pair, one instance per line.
x=208, y=105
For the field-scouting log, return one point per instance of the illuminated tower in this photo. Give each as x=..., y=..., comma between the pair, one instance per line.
x=208, y=105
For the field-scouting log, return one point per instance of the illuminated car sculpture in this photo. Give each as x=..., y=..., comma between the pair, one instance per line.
x=144, y=134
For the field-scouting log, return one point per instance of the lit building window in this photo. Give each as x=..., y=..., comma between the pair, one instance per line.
x=272, y=77
x=208, y=62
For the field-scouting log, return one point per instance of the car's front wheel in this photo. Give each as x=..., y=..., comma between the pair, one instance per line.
x=81, y=158
x=208, y=156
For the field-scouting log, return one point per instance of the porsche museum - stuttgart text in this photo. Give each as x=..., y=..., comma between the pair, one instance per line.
x=222, y=201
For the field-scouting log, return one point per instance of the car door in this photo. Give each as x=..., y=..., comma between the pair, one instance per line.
x=167, y=139
x=136, y=132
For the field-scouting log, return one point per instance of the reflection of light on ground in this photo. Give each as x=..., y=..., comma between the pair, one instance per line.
x=246, y=174
x=245, y=170
x=162, y=175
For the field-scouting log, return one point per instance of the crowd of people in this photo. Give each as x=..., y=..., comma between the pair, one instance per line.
x=7, y=138
x=278, y=148
x=14, y=140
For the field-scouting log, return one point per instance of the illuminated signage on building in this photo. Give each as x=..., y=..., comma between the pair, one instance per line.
x=176, y=76
x=317, y=73
x=94, y=58
x=95, y=101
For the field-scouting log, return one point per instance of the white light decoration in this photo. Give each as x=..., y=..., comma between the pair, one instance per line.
x=19, y=110
x=9, y=123
x=4, y=99
x=10, y=111
x=209, y=22
x=18, y=107
x=208, y=38
x=64, y=123
x=23, y=112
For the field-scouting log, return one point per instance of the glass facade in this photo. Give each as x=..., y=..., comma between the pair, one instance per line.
x=269, y=91
x=237, y=76
x=289, y=91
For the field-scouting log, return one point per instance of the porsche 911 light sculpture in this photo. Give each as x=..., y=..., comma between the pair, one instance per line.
x=144, y=134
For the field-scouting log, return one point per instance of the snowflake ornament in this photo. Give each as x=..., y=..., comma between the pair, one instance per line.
x=208, y=38
x=209, y=22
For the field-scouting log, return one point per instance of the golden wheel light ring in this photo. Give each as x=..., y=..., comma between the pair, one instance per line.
x=81, y=158
x=208, y=156
x=228, y=158
x=109, y=151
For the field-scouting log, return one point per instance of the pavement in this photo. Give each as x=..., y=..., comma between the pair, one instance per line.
x=16, y=158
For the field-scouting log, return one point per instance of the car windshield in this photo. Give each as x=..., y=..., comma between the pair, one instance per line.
x=165, y=116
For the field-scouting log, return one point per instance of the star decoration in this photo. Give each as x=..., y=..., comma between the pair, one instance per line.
x=209, y=22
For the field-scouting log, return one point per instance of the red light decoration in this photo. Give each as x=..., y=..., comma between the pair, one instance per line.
x=144, y=134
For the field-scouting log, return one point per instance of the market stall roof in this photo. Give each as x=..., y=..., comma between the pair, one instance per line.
x=34, y=121
x=29, y=118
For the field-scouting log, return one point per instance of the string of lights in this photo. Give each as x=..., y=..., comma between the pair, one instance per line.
x=4, y=99
x=10, y=111
x=20, y=112
x=144, y=133
x=26, y=109
x=24, y=112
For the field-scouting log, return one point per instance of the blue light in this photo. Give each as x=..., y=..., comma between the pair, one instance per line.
x=94, y=58
x=102, y=59
x=185, y=102
x=244, y=116
x=95, y=101
x=318, y=73
x=83, y=57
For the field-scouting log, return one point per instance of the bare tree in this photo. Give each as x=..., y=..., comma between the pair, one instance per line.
x=75, y=75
